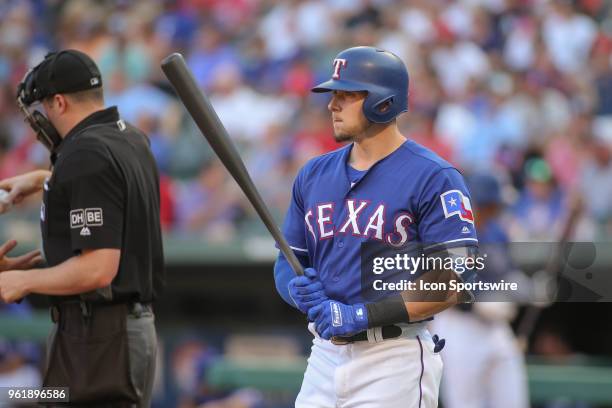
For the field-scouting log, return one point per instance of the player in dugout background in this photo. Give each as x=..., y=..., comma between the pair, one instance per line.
x=101, y=237
x=383, y=188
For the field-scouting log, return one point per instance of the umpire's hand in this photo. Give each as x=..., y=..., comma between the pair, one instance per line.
x=26, y=261
x=20, y=187
x=12, y=287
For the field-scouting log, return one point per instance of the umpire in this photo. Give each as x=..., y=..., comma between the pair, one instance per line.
x=101, y=237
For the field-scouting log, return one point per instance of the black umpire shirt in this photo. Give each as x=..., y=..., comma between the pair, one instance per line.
x=104, y=193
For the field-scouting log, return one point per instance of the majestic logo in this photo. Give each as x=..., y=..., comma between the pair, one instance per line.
x=359, y=313
x=339, y=63
x=84, y=218
x=455, y=203
x=336, y=314
x=465, y=230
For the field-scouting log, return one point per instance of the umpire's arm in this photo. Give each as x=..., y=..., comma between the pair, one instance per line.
x=92, y=269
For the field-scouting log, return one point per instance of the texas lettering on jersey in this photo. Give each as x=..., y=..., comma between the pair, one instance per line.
x=321, y=221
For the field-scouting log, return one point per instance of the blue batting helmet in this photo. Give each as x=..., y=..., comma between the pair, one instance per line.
x=381, y=73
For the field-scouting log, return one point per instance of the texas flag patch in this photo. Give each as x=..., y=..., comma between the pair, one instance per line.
x=455, y=203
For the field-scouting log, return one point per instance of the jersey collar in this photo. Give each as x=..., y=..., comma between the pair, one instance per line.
x=345, y=158
x=108, y=115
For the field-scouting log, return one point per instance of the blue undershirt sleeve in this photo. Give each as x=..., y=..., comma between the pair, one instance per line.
x=283, y=274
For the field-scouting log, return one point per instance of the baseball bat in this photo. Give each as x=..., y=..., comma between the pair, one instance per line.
x=527, y=323
x=204, y=115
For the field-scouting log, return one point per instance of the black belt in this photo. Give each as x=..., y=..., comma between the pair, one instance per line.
x=388, y=332
x=135, y=309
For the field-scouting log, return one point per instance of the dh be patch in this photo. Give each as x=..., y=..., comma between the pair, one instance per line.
x=85, y=218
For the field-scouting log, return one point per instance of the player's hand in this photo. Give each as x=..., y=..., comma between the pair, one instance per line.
x=12, y=286
x=307, y=291
x=26, y=261
x=337, y=319
x=20, y=187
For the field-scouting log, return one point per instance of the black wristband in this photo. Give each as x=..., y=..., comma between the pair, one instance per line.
x=388, y=311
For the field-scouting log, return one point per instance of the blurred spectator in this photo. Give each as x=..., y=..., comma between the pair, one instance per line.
x=130, y=97
x=19, y=360
x=210, y=53
x=271, y=165
x=457, y=63
x=496, y=124
x=279, y=31
x=520, y=45
x=551, y=344
x=191, y=362
x=596, y=187
x=539, y=211
x=568, y=36
x=245, y=112
x=602, y=71
x=495, y=376
x=422, y=131
x=565, y=151
x=202, y=208
x=314, y=134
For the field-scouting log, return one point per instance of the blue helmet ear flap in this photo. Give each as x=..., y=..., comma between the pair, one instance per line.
x=380, y=108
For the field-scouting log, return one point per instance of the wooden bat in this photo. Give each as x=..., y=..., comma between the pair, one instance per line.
x=204, y=115
x=532, y=313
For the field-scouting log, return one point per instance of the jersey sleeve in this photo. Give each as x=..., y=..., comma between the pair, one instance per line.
x=294, y=228
x=95, y=190
x=445, y=214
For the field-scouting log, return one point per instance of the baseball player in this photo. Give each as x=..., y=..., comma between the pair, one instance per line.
x=380, y=187
x=494, y=376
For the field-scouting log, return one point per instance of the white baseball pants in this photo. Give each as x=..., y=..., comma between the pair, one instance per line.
x=403, y=372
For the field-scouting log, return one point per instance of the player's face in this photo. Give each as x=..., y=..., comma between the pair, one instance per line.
x=347, y=115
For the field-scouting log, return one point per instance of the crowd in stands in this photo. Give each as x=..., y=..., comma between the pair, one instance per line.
x=521, y=89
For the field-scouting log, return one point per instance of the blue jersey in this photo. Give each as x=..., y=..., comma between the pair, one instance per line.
x=411, y=195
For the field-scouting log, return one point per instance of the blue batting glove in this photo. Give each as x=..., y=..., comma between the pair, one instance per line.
x=306, y=291
x=333, y=318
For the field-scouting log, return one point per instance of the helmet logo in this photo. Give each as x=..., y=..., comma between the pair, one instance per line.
x=339, y=63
